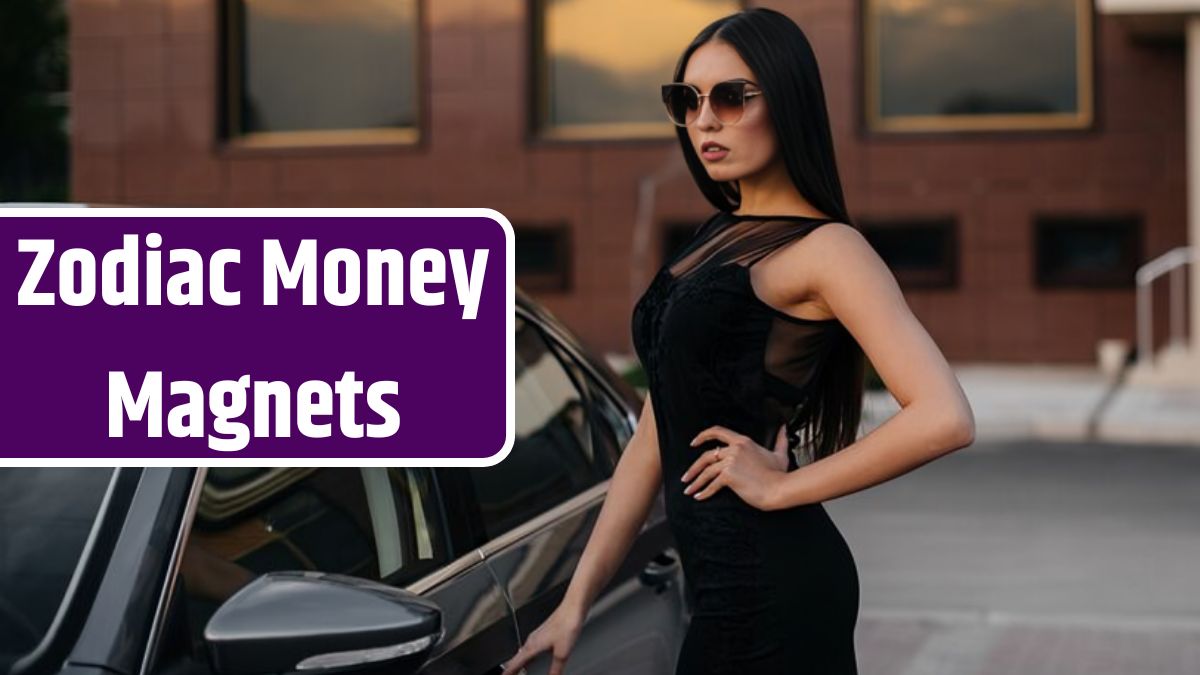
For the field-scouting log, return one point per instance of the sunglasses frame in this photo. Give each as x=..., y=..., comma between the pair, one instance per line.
x=700, y=99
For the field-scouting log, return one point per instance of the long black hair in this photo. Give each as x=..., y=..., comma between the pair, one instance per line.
x=782, y=59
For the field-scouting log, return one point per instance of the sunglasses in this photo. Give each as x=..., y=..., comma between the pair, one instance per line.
x=727, y=100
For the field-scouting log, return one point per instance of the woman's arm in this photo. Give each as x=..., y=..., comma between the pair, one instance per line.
x=836, y=265
x=631, y=492
x=635, y=483
x=935, y=418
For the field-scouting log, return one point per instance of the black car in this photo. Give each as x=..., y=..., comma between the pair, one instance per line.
x=234, y=571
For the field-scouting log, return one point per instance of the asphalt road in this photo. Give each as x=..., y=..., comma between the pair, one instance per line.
x=1030, y=558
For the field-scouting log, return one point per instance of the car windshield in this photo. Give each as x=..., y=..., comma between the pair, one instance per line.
x=46, y=515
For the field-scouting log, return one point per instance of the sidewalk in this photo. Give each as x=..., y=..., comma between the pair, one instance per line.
x=1064, y=403
x=1055, y=402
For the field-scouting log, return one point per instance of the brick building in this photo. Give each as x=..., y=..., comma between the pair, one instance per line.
x=1013, y=160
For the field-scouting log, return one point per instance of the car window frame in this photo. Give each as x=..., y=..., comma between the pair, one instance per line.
x=568, y=364
x=466, y=528
x=69, y=620
x=417, y=569
x=590, y=369
x=168, y=595
x=591, y=388
x=580, y=378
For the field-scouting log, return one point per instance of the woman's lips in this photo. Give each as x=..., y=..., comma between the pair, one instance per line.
x=714, y=153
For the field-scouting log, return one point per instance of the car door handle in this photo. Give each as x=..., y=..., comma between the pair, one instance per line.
x=659, y=572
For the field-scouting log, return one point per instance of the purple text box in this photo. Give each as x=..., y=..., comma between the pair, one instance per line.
x=453, y=375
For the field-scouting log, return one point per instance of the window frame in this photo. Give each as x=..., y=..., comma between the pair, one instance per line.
x=598, y=476
x=597, y=391
x=229, y=91
x=74, y=608
x=435, y=515
x=1131, y=226
x=598, y=384
x=560, y=279
x=411, y=567
x=587, y=384
x=169, y=599
x=873, y=123
x=467, y=528
x=945, y=277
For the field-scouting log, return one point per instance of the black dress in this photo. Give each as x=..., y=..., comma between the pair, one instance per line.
x=774, y=591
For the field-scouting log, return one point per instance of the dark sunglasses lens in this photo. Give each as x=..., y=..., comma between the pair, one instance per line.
x=681, y=102
x=727, y=99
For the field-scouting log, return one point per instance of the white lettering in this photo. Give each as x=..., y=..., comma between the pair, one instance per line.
x=275, y=267
x=43, y=250
x=377, y=259
x=87, y=276
x=468, y=287
x=121, y=403
x=126, y=258
x=419, y=276
x=335, y=295
x=391, y=418
x=192, y=278
x=229, y=402
x=216, y=281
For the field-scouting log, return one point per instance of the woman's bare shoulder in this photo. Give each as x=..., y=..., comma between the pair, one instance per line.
x=795, y=273
x=833, y=240
x=828, y=246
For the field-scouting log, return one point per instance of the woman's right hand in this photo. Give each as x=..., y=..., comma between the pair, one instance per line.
x=557, y=633
x=635, y=483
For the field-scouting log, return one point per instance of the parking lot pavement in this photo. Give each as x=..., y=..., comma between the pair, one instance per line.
x=894, y=644
x=1031, y=558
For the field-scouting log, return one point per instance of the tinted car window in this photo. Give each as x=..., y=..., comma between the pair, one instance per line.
x=609, y=427
x=613, y=429
x=46, y=515
x=553, y=456
x=376, y=523
x=605, y=454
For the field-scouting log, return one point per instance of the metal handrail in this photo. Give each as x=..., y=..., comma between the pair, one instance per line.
x=1171, y=262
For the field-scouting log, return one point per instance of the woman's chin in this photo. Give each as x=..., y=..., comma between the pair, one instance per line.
x=721, y=174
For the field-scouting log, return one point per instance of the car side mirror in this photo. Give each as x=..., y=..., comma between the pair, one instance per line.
x=284, y=622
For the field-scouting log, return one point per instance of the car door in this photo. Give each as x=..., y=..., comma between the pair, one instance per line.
x=381, y=524
x=538, y=507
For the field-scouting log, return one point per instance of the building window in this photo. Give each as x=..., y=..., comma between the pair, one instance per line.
x=921, y=253
x=598, y=64
x=543, y=257
x=1087, y=252
x=949, y=65
x=321, y=72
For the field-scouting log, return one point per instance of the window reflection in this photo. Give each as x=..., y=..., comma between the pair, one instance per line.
x=376, y=523
x=552, y=458
x=320, y=70
x=921, y=253
x=46, y=515
x=978, y=64
x=601, y=62
x=1083, y=252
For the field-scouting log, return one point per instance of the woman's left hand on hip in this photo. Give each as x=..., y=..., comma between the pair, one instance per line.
x=744, y=466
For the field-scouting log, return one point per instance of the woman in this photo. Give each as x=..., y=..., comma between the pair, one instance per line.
x=753, y=339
